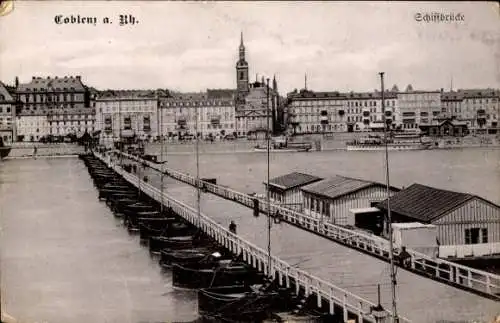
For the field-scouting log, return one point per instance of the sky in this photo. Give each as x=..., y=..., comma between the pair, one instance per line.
x=192, y=46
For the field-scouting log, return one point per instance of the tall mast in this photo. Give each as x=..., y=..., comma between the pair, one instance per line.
x=395, y=318
x=268, y=193
x=120, y=129
x=198, y=193
x=160, y=128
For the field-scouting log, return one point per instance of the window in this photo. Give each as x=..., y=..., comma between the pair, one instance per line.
x=472, y=236
x=484, y=235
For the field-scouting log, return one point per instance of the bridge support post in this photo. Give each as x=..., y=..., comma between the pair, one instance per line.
x=344, y=307
x=332, y=302
x=488, y=284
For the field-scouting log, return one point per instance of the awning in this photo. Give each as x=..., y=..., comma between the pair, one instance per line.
x=127, y=133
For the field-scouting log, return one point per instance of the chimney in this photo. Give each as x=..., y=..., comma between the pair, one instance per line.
x=16, y=82
x=48, y=77
x=78, y=77
x=33, y=78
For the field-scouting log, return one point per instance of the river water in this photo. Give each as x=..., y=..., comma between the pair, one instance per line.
x=64, y=258
x=475, y=171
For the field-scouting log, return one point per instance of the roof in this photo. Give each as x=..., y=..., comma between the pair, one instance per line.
x=364, y=210
x=411, y=225
x=338, y=186
x=56, y=84
x=425, y=203
x=5, y=96
x=292, y=180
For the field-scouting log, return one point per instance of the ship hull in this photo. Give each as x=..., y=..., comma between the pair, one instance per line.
x=398, y=147
x=4, y=152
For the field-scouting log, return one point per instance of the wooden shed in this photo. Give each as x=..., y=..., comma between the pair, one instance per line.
x=467, y=225
x=332, y=198
x=285, y=189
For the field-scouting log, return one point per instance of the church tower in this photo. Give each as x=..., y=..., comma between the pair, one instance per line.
x=242, y=72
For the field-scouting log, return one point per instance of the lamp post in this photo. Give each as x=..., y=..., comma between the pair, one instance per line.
x=395, y=318
x=268, y=192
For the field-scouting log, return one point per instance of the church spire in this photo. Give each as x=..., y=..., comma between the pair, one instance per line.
x=242, y=48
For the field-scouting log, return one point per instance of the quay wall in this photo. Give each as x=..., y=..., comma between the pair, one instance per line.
x=327, y=143
x=22, y=150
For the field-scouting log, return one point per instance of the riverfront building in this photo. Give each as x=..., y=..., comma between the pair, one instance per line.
x=7, y=113
x=417, y=108
x=331, y=199
x=126, y=114
x=327, y=112
x=53, y=106
x=257, y=105
x=285, y=190
x=211, y=114
x=479, y=108
x=467, y=225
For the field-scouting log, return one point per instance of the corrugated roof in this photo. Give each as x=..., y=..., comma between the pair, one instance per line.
x=425, y=203
x=292, y=180
x=338, y=186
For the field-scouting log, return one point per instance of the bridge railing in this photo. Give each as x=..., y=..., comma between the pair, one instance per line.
x=258, y=258
x=446, y=271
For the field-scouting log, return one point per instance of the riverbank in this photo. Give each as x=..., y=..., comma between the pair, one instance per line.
x=336, y=143
x=27, y=150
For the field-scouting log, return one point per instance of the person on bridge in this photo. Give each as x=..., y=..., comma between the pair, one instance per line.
x=232, y=227
x=404, y=257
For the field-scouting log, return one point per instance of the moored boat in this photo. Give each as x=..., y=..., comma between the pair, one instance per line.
x=150, y=227
x=169, y=256
x=395, y=142
x=237, y=303
x=156, y=244
x=4, y=149
x=219, y=273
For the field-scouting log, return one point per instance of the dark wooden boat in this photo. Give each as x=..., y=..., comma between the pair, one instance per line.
x=150, y=227
x=132, y=209
x=237, y=303
x=156, y=244
x=184, y=256
x=112, y=199
x=105, y=193
x=219, y=273
x=132, y=222
x=122, y=204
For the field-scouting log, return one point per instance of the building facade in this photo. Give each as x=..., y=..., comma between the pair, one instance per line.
x=53, y=107
x=327, y=112
x=467, y=225
x=285, y=190
x=479, y=108
x=211, y=114
x=130, y=114
x=416, y=108
x=256, y=104
x=331, y=199
x=7, y=115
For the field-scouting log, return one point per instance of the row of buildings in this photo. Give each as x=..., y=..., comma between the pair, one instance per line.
x=324, y=112
x=452, y=224
x=59, y=106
